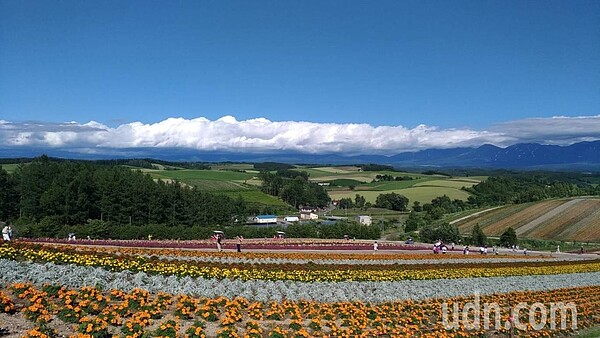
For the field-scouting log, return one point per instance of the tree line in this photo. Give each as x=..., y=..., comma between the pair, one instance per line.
x=294, y=188
x=68, y=193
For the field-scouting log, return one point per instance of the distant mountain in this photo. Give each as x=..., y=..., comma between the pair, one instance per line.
x=578, y=156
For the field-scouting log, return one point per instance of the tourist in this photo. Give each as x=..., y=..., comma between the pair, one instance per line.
x=375, y=247
x=239, y=243
x=6, y=233
x=219, y=248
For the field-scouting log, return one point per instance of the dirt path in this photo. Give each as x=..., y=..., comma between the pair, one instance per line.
x=474, y=214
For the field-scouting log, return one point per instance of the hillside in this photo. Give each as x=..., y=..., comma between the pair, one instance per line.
x=347, y=182
x=563, y=220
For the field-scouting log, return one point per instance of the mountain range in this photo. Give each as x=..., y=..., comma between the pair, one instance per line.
x=528, y=156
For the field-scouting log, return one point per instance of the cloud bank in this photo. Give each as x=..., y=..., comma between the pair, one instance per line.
x=261, y=135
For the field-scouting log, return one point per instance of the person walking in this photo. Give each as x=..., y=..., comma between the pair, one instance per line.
x=238, y=244
x=375, y=247
x=219, y=238
x=6, y=233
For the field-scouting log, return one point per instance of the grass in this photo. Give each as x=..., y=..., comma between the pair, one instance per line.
x=256, y=197
x=421, y=194
x=10, y=168
x=593, y=332
x=457, y=184
x=233, y=166
x=189, y=175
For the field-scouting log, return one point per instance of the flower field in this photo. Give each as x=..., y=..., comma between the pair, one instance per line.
x=55, y=290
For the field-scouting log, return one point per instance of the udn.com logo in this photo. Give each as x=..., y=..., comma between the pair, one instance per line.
x=523, y=316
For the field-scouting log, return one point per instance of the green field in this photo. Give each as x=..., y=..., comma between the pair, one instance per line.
x=254, y=196
x=421, y=188
x=188, y=175
x=421, y=194
x=10, y=168
x=232, y=179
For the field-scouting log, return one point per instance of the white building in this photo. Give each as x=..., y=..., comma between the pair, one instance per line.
x=364, y=219
x=264, y=219
x=291, y=219
x=308, y=215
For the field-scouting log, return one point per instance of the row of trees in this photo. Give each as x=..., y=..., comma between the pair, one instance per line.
x=524, y=188
x=294, y=188
x=391, y=201
x=59, y=193
x=449, y=234
x=389, y=178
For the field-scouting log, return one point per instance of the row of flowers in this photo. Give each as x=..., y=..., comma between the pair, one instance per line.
x=261, y=244
x=95, y=313
x=264, y=290
x=292, y=272
x=253, y=257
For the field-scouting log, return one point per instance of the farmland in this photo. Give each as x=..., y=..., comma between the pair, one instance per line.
x=345, y=181
x=563, y=220
x=231, y=180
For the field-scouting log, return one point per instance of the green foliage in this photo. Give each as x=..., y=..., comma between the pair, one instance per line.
x=345, y=203
x=272, y=166
x=445, y=232
x=345, y=182
x=414, y=221
x=352, y=229
x=477, y=236
x=508, y=237
x=359, y=201
x=529, y=187
x=392, y=201
x=294, y=188
x=376, y=167
x=55, y=194
x=9, y=197
x=435, y=172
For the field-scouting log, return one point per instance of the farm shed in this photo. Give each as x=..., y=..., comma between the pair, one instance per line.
x=364, y=219
x=308, y=215
x=263, y=219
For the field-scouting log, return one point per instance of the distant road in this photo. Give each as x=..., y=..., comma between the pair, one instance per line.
x=474, y=214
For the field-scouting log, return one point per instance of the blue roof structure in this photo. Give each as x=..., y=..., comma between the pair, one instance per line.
x=266, y=216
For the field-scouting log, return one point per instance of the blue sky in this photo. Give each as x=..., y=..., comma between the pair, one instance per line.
x=205, y=74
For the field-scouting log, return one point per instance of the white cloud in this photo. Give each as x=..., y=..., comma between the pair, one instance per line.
x=262, y=135
x=559, y=130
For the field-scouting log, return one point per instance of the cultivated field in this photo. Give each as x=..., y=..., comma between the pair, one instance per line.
x=422, y=188
x=562, y=220
x=345, y=181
